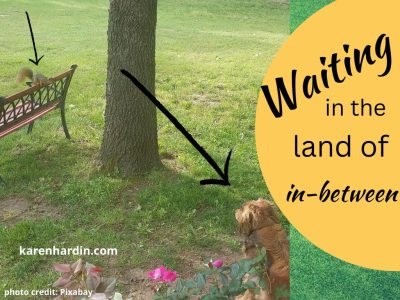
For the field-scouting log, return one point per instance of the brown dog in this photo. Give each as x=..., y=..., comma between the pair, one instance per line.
x=260, y=227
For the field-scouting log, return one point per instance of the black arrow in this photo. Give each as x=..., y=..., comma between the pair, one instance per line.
x=36, y=61
x=225, y=174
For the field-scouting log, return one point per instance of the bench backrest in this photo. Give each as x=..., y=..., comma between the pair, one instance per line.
x=33, y=102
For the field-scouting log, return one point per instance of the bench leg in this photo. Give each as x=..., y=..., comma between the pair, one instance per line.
x=30, y=127
x=64, y=122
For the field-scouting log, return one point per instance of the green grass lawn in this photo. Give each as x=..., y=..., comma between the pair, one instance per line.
x=211, y=58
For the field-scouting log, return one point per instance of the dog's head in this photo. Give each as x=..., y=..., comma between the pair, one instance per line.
x=254, y=215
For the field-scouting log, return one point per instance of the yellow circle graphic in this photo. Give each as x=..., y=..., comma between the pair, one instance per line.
x=327, y=131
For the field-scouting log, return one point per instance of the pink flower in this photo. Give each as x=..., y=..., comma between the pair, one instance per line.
x=217, y=263
x=162, y=274
x=156, y=274
x=169, y=276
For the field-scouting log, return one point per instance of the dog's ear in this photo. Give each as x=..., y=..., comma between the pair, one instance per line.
x=259, y=214
x=250, y=222
x=245, y=220
x=255, y=215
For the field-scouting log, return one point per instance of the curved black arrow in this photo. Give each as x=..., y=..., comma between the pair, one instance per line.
x=36, y=61
x=225, y=174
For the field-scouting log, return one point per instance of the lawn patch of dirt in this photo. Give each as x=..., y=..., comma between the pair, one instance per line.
x=133, y=282
x=14, y=209
x=170, y=161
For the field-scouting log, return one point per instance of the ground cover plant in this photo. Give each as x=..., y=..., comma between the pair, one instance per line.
x=214, y=281
x=211, y=57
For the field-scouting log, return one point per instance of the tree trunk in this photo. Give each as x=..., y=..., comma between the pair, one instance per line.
x=130, y=134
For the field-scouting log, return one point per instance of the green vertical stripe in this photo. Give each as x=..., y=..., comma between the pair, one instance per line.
x=302, y=9
x=316, y=274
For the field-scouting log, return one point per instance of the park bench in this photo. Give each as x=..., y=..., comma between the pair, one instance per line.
x=34, y=102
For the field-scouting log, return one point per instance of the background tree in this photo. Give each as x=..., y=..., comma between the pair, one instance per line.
x=130, y=134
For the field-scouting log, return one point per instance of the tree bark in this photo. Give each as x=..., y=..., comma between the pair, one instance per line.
x=130, y=135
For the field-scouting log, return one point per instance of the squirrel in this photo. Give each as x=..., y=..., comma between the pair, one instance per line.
x=36, y=78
